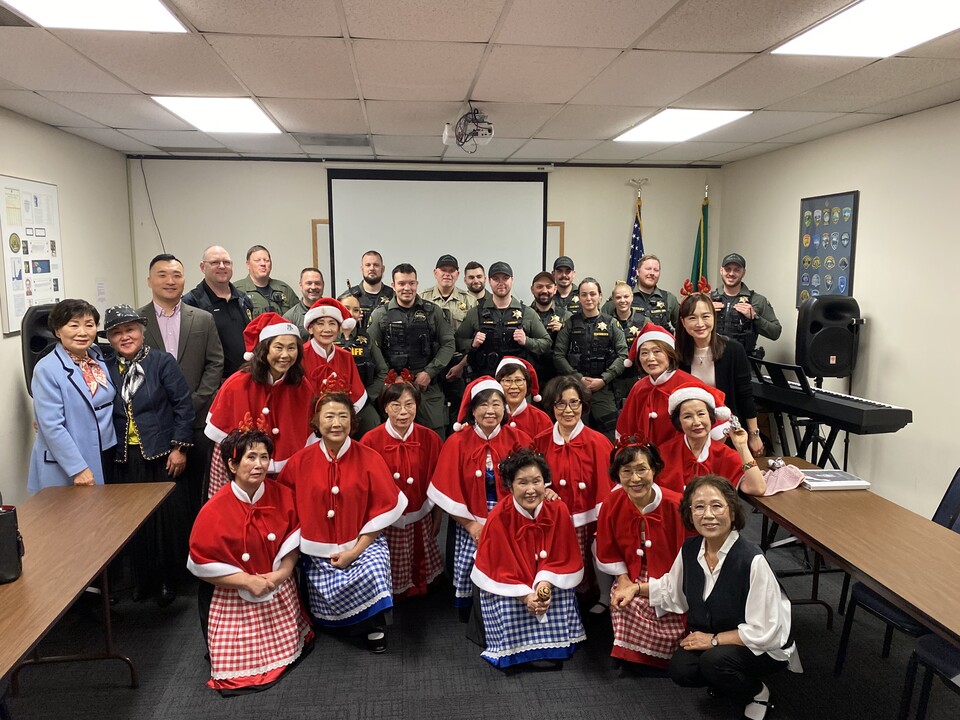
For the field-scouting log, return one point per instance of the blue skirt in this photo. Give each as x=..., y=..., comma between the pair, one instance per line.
x=464, y=553
x=514, y=636
x=341, y=597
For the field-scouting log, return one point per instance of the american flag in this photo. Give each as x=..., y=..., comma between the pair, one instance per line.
x=636, y=246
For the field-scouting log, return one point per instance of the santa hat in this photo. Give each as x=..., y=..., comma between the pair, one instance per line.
x=264, y=327
x=534, y=382
x=647, y=332
x=328, y=307
x=711, y=396
x=484, y=382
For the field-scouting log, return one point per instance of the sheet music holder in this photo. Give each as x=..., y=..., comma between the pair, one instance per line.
x=782, y=375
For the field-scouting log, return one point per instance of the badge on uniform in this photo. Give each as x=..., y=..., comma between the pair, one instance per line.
x=419, y=316
x=554, y=318
x=361, y=340
x=517, y=314
x=462, y=306
x=601, y=325
x=743, y=299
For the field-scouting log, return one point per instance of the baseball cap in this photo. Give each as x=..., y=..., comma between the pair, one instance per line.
x=734, y=258
x=500, y=267
x=563, y=261
x=447, y=260
x=543, y=275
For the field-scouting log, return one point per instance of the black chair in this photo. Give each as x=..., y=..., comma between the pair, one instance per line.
x=947, y=514
x=937, y=656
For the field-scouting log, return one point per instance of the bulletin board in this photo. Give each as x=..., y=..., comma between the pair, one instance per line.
x=32, y=252
x=827, y=245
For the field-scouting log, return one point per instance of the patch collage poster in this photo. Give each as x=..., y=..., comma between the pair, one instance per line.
x=828, y=240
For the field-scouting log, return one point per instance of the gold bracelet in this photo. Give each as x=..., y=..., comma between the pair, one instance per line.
x=748, y=465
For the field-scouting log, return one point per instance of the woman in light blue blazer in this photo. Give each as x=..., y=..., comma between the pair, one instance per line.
x=72, y=404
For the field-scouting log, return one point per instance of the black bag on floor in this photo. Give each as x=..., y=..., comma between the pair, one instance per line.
x=11, y=545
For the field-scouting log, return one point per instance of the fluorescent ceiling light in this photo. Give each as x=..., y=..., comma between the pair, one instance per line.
x=877, y=28
x=673, y=125
x=220, y=115
x=143, y=15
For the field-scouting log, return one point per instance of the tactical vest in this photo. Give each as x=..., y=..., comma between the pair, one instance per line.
x=571, y=304
x=499, y=326
x=631, y=326
x=359, y=347
x=368, y=304
x=657, y=310
x=591, y=350
x=732, y=323
x=406, y=338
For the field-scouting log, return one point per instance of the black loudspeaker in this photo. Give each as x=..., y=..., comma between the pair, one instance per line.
x=828, y=334
x=36, y=340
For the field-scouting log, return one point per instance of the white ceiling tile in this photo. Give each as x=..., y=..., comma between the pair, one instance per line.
x=748, y=151
x=318, y=151
x=395, y=70
x=517, y=120
x=157, y=63
x=615, y=152
x=877, y=83
x=946, y=46
x=767, y=79
x=843, y=123
x=120, y=111
x=692, y=151
x=113, y=139
x=407, y=145
x=211, y=154
x=593, y=122
x=418, y=20
x=174, y=138
x=553, y=150
x=735, y=25
x=316, y=116
x=647, y=78
x=316, y=18
x=289, y=67
x=257, y=143
x=36, y=60
x=40, y=108
x=538, y=74
x=931, y=97
x=764, y=125
x=411, y=118
x=575, y=23
x=496, y=149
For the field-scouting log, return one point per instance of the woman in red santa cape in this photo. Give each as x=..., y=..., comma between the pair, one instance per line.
x=244, y=542
x=528, y=564
x=518, y=379
x=645, y=413
x=346, y=497
x=270, y=388
x=639, y=533
x=326, y=362
x=410, y=451
x=466, y=482
x=693, y=410
x=578, y=458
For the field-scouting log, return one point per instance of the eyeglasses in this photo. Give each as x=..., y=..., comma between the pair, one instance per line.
x=572, y=404
x=627, y=473
x=715, y=509
x=222, y=263
x=506, y=382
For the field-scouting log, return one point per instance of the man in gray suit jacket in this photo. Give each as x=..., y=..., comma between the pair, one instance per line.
x=190, y=335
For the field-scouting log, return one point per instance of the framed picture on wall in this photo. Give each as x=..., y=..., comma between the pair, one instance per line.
x=827, y=245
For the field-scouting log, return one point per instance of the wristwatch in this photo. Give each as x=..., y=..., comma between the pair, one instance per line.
x=714, y=640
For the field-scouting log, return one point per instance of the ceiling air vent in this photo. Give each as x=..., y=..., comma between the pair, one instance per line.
x=332, y=139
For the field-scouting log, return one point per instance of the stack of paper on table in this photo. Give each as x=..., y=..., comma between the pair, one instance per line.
x=832, y=480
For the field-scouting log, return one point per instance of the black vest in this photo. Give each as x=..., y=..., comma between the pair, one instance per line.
x=725, y=609
x=591, y=350
x=657, y=310
x=732, y=323
x=406, y=338
x=499, y=326
x=369, y=303
x=359, y=347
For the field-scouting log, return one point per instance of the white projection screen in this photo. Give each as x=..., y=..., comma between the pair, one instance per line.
x=415, y=217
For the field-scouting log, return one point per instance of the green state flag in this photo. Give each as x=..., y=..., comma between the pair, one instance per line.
x=699, y=269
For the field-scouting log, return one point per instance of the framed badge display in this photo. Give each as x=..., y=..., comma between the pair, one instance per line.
x=827, y=245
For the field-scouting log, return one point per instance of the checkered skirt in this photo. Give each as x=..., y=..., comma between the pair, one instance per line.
x=641, y=637
x=464, y=553
x=414, y=557
x=218, y=472
x=515, y=636
x=340, y=597
x=250, y=640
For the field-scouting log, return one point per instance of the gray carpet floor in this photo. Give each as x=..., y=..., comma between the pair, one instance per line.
x=431, y=671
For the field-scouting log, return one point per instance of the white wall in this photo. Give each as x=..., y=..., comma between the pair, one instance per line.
x=95, y=233
x=905, y=273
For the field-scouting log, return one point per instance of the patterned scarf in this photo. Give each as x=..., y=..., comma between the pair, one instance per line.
x=93, y=374
x=133, y=375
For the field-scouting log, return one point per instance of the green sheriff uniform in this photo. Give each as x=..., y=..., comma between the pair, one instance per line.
x=661, y=306
x=631, y=328
x=276, y=297
x=455, y=307
x=372, y=369
x=499, y=326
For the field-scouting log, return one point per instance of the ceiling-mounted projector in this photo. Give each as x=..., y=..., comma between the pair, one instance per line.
x=470, y=131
